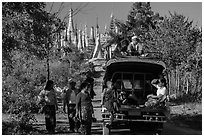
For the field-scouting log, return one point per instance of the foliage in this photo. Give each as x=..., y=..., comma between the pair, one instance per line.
x=173, y=34
x=179, y=45
x=20, y=124
x=21, y=23
x=141, y=18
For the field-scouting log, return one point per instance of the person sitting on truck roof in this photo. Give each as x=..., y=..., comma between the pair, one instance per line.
x=160, y=96
x=135, y=48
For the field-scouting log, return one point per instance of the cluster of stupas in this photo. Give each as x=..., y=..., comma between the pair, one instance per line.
x=82, y=41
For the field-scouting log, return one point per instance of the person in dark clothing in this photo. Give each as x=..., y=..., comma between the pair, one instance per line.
x=90, y=81
x=69, y=101
x=49, y=99
x=108, y=100
x=84, y=109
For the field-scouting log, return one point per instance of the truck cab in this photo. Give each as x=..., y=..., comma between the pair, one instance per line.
x=133, y=75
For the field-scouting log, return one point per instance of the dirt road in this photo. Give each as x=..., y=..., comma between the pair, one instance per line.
x=170, y=128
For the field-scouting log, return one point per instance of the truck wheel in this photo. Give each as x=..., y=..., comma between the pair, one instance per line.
x=106, y=130
x=158, y=132
x=159, y=129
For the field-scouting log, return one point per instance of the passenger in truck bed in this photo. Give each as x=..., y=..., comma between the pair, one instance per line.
x=135, y=98
x=160, y=84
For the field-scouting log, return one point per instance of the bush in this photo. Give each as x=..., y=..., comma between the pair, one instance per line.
x=187, y=98
x=20, y=123
x=21, y=118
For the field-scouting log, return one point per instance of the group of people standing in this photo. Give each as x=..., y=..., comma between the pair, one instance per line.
x=77, y=103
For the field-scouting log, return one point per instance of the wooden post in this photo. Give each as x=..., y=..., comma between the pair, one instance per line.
x=169, y=80
x=70, y=66
x=48, y=68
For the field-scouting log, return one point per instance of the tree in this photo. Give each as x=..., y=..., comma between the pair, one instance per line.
x=29, y=27
x=22, y=26
x=140, y=20
x=173, y=38
x=178, y=42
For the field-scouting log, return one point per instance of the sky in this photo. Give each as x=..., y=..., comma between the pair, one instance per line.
x=102, y=11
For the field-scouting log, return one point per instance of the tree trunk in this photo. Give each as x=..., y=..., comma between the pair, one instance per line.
x=48, y=68
x=169, y=82
x=70, y=67
x=47, y=60
x=175, y=82
x=178, y=84
x=187, y=86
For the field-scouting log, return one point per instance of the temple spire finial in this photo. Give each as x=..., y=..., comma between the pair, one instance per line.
x=97, y=22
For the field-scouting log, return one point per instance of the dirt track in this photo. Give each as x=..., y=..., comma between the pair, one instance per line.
x=169, y=129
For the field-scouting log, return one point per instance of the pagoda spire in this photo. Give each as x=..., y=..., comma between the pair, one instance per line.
x=97, y=29
x=97, y=22
x=70, y=29
x=76, y=36
x=86, y=36
x=112, y=22
x=79, y=45
x=106, y=30
x=92, y=36
x=97, y=51
x=83, y=40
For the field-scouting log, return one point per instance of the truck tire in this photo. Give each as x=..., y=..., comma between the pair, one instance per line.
x=159, y=129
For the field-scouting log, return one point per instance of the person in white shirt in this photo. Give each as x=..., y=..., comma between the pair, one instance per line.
x=161, y=93
x=135, y=48
x=69, y=101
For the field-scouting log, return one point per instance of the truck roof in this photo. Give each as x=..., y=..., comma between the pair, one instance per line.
x=136, y=59
x=134, y=64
